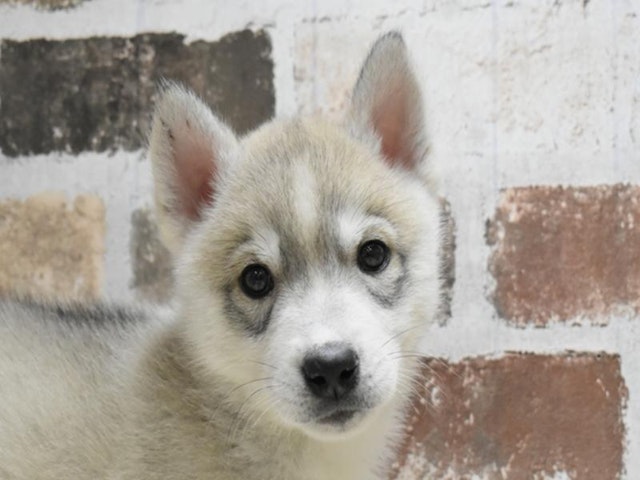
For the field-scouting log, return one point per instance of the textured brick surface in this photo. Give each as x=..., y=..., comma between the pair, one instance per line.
x=322, y=84
x=517, y=417
x=46, y=4
x=447, y=259
x=151, y=261
x=50, y=247
x=97, y=93
x=554, y=72
x=559, y=253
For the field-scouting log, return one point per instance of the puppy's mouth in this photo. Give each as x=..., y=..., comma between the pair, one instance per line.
x=338, y=422
x=337, y=418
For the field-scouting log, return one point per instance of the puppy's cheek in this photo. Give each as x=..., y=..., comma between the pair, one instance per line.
x=380, y=385
x=378, y=350
x=289, y=406
x=287, y=395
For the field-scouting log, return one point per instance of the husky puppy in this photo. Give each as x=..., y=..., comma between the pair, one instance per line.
x=307, y=264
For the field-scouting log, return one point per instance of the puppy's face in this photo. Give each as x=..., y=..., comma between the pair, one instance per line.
x=308, y=257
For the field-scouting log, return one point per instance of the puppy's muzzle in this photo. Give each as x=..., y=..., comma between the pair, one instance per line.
x=331, y=371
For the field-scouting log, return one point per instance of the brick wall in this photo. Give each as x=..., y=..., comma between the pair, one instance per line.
x=534, y=111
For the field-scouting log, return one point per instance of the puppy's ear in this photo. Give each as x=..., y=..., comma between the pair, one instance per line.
x=387, y=103
x=189, y=147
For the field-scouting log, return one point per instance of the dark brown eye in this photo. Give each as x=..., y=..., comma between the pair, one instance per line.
x=256, y=281
x=373, y=256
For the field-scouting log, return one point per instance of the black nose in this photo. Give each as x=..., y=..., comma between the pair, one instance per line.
x=331, y=371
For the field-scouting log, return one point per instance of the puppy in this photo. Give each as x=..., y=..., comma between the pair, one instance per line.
x=307, y=266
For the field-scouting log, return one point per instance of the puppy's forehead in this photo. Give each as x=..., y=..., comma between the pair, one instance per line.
x=305, y=196
x=313, y=187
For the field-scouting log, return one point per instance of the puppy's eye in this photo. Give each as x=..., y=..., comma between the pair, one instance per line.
x=373, y=256
x=256, y=281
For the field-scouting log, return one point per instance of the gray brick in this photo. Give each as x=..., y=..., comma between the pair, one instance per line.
x=46, y=4
x=97, y=94
x=151, y=261
x=447, y=261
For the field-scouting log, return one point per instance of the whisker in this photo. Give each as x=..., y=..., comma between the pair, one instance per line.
x=239, y=416
x=417, y=380
x=257, y=411
x=263, y=364
x=448, y=366
x=406, y=355
x=432, y=370
x=424, y=400
x=248, y=383
x=400, y=334
x=270, y=404
x=228, y=394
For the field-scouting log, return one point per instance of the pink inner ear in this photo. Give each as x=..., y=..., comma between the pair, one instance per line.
x=195, y=167
x=391, y=122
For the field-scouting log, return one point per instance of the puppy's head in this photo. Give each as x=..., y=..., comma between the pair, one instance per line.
x=306, y=252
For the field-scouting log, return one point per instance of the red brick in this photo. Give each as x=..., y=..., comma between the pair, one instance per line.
x=522, y=416
x=566, y=253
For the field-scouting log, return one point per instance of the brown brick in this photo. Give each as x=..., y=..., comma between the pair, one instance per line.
x=522, y=416
x=151, y=261
x=52, y=248
x=97, y=93
x=566, y=253
x=46, y=4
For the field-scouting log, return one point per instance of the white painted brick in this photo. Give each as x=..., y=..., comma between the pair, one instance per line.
x=626, y=76
x=323, y=79
x=554, y=82
x=452, y=55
